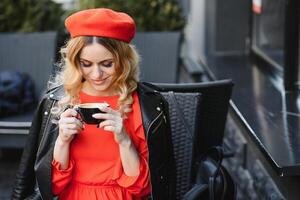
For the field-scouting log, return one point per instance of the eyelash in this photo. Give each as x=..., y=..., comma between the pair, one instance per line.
x=108, y=65
x=84, y=65
x=104, y=65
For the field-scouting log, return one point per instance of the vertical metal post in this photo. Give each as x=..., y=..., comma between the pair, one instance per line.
x=291, y=44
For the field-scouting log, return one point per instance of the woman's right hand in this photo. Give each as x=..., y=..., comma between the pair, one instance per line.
x=69, y=125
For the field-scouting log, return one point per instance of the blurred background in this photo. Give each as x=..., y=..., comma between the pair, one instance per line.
x=255, y=43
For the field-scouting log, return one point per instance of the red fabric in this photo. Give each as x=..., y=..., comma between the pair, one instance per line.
x=101, y=22
x=95, y=170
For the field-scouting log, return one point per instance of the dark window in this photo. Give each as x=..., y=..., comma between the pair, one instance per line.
x=268, y=31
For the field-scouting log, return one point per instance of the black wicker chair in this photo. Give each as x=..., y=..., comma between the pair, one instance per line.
x=204, y=107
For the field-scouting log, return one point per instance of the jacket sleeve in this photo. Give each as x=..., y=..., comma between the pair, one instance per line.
x=61, y=178
x=138, y=185
x=25, y=177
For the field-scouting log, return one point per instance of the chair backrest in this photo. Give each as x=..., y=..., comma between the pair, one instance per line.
x=215, y=98
x=182, y=138
x=204, y=107
x=32, y=53
x=159, y=55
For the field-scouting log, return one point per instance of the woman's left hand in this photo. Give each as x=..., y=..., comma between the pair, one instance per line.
x=113, y=122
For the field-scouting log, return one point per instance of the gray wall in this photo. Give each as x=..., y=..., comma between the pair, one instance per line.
x=231, y=25
x=194, y=32
x=216, y=27
x=159, y=55
x=33, y=53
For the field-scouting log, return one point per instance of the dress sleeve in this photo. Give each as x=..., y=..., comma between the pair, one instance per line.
x=61, y=178
x=138, y=185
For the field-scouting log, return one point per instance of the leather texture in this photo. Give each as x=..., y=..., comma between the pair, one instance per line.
x=33, y=179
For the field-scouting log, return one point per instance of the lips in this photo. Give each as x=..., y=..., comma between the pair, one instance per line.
x=100, y=81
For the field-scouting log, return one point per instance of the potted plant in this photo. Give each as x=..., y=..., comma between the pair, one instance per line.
x=149, y=15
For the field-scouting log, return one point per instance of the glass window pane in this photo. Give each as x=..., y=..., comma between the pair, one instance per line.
x=268, y=33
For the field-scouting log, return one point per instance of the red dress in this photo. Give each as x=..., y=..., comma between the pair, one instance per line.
x=95, y=170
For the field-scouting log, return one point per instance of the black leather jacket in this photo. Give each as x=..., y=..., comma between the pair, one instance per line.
x=33, y=180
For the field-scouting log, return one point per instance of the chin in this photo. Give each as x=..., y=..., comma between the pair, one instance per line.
x=100, y=88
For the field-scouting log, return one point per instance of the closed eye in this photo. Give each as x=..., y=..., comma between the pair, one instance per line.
x=83, y=64
x=107, y=64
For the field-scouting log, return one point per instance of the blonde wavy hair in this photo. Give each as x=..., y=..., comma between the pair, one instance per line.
x=124, y=82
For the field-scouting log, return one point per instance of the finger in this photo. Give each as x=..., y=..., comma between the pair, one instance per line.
x=72, y=127
x=66, y=128
x=68, y=132
x=68, y=120
x=107, y=123
x=110, y=128
x=71, y=132
x=68, y=135
x=109, y=110
x=103, y=116
x=71, y=120
x=69, y=113
x=79, y=124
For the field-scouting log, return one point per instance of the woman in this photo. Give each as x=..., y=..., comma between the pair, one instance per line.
x=129, y=154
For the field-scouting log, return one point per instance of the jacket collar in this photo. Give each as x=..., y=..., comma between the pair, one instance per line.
x=151, y=103
x=56, y=93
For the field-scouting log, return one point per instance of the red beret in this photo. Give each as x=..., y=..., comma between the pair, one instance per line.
x=101, y=22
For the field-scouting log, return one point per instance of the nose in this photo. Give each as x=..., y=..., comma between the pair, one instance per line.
x=97, y=71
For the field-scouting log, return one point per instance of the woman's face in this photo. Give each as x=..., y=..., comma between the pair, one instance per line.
x=98, y=68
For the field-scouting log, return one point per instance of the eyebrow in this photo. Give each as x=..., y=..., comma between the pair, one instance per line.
x=105, y=60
